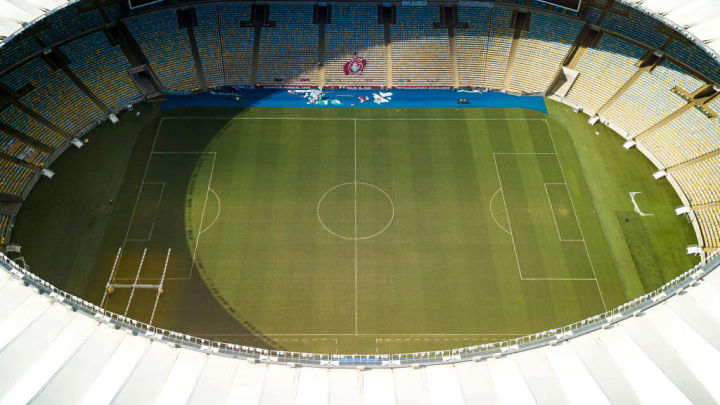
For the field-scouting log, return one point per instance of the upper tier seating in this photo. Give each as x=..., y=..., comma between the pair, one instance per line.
x=55, y=97
x=420, y=53
x=498, y=53
x=637, y=25
x=103, y=69
x=69, y=21
x=686, y=137
x=207, y=36
x=13, y=177
x=709, y=222
x=21, y=150
x=700, y=181
x=471, y=45
x=649, y=99
x=16, y=50
x=289, y=52
x=541, y=50
x=354, y=31
x=695, y=57
x=603, y=71
x=236, y=43
x=167, y=48
x=20, y=121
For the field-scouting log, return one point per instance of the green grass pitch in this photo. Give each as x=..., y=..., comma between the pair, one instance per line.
x=338, y=230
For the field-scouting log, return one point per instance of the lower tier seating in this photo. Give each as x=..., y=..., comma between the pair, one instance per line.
x=420, y=53
x=20, y=121
x=103, y=69
x=650, y=98
x=14, y=178
x=604, y=69
x=355, y=32
x=700, y=181
x=686, y=137
x=709, y=222
x=289, y=52
x=540, y=52
x=21, y=150
x=167, y=48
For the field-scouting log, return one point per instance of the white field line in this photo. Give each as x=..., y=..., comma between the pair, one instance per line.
x=592, y=266
x=492, y=214
x=507, y=215
x=362, y=334
x=112, y=273
x=157, y=208
x=132, y=292
x=552, y=211
x=355, y=239
x=147, y=166
x=352, y=119
x=162, y=281
x=217, y=197
x=202, y=215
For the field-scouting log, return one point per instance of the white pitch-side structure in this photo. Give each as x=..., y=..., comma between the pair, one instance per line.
x=51, y=354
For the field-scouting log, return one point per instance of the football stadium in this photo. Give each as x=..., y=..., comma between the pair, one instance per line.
x=359, y=202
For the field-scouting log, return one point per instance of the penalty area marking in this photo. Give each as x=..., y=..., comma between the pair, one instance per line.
x=492, y=214
x=217, y=197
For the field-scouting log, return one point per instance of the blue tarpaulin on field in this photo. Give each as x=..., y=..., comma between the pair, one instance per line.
x=394, y=98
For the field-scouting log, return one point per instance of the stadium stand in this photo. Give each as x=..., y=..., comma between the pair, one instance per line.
x=13, y=177
x=21, y=150
x=54, y=96
x=207, y=36
x=592, y=15
x=636, y=25
x=695, y=57
x=6, y=225
x=20, y=121
x=498, y=53
x=603, y=71
x=649, y=99
x=236, y=43
x=16, y=50
x=541, y=50
x=103, y=69
x=354, y=31
x=167, y=49
x=686, y=137
x=700, y=181
x=471, y=45
x=67, y=22
x=420, y=53
x=289, y=52
x=709, y=221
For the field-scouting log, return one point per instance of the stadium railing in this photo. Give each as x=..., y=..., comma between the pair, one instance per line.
x=496, y=349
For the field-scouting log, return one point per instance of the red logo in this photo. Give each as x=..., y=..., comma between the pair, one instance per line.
x=354, y=66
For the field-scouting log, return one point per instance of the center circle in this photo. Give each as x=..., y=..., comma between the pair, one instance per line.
x=355, y=211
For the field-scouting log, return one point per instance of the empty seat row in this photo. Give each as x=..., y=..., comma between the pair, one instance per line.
x=603, y=70
x=103, y=69
x=14, y=177
x=355, y=32
x=420, y=53
x=167, y=49
x=540, y=52
x=700, y=181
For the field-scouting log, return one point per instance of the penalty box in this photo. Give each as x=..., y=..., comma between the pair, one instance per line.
x=161, y=220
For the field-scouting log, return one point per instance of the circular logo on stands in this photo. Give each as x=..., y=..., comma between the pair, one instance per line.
x=354, y=66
